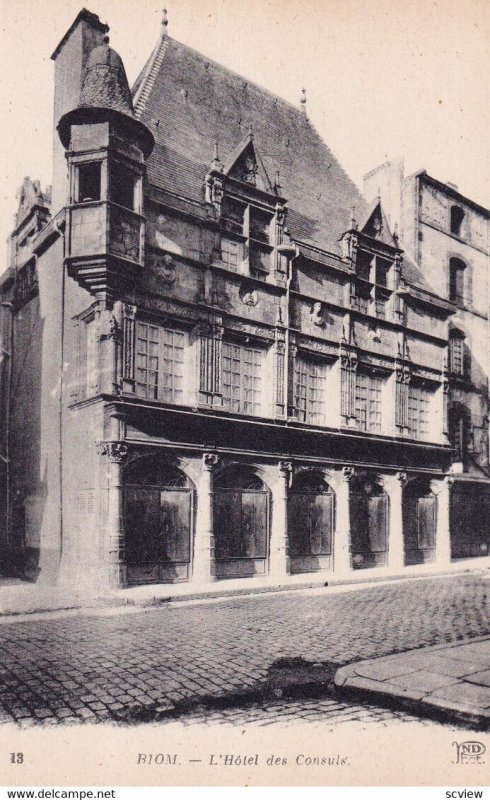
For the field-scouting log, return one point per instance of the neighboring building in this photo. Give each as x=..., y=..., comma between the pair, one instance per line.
x=218, y=362
x=446, y=235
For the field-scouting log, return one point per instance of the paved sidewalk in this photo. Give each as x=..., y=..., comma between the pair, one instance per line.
x=452, y=680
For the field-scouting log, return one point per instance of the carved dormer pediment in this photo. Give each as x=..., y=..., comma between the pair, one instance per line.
x=245, y=165
x=375, y=225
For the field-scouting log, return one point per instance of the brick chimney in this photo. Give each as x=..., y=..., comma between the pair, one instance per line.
x=70, y=58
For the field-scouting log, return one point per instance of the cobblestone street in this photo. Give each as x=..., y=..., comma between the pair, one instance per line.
x=157, y=663
x=314, y=712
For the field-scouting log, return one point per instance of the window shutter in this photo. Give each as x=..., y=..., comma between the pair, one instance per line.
x=378, y=518
x=254, y=525
x=175, y=525
x=426, y=522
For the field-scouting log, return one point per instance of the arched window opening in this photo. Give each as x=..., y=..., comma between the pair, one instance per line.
x=457, y=216
x=241, y=523
x=158, y=521
x=456, y=280
x=310, y=522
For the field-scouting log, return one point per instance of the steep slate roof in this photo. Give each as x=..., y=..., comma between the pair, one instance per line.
x=190, y=102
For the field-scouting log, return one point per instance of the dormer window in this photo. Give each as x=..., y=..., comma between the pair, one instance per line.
x=373, y=284
x=457, y=216
x=88, y=182
x=245, y=240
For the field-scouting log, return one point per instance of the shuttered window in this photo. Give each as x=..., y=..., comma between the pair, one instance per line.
x=310, y=523
x=240, y=524
x=426, y=522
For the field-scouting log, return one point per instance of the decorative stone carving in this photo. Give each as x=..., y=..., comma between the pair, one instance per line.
x=375, y=333
x=210, y=461
x=316, y=315
x=250, y=169
x=281, y=215
x=348, y=473
x=166, y=269
x=248, y=296
x=214, y=191
x=125, y=233
x=108, y=327
x=115, y=451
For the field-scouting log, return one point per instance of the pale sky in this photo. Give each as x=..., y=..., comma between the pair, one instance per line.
x=383, y=79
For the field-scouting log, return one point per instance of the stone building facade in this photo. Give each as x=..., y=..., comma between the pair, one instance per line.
x=446, y=237
x=219, y=361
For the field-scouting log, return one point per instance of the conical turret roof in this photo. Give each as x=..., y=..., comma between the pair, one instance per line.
x=105, y=84
x=105, y=96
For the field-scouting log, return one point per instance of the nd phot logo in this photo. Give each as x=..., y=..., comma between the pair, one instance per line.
x=469, y=752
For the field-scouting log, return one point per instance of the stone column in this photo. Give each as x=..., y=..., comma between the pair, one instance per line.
x=115, y=541
x=441, y=488
x=341, y=554
x=203, y=567
x=396, y=547
x=279, y=557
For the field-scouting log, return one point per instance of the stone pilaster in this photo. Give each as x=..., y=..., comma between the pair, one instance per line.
x=342, y=561
x=129, y=347
x=394, y=486
x=210, y=338
x=279, y=558
x=115, y=540
x=280, y=371
x=203, y=567
x=442, y=488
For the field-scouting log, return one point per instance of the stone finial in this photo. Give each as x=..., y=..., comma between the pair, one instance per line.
x=216, y=163
x=353, y=221
x=164, y=22
x=396, y=237
x=303, y=103
x=277, y=184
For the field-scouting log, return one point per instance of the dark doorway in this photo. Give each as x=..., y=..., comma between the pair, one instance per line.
x=241, y=523
x=310, y=522
x=469, y=520
x=419, y=522
x=369, y=523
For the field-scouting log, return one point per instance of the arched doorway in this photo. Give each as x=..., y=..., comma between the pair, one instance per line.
x=158, y=521
x=419, y=522
x=368, y=523
x=241, y=523
x=310, y=522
